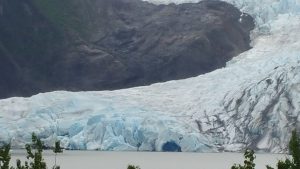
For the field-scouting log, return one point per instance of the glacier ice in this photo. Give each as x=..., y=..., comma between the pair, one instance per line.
x=253, y=102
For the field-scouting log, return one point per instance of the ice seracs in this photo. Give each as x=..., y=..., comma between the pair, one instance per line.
x=253, y=102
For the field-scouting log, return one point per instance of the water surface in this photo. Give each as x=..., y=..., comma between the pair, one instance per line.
x=149, y=160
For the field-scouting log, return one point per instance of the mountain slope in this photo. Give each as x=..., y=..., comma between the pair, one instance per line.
x=77, y=45
x=252, y=102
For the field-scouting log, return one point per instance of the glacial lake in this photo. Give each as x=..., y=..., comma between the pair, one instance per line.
x=149, y=160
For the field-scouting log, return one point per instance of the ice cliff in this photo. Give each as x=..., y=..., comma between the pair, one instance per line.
x=253, y=102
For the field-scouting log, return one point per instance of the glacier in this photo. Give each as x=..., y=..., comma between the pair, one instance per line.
x=252, y=102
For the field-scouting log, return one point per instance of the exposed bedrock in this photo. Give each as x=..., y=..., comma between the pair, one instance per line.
x=110, y=44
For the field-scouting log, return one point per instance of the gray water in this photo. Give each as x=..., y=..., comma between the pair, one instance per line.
x=149, y=160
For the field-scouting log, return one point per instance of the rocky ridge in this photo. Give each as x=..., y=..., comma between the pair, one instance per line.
x=110, y=44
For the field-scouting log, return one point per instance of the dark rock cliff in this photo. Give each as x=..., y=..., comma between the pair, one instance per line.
x=76, y=45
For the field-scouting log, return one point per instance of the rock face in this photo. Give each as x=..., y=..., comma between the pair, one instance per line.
x=110, y=44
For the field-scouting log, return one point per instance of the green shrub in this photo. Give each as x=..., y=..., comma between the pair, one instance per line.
x=5, y=157
x=57, y=149
x=34, y=155
x=249, y=161
x=133, y=167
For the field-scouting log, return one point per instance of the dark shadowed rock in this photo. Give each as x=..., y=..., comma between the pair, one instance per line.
x=110, y=44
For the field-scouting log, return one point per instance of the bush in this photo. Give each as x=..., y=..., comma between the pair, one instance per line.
x=133, y=167
x=249, y=161
x=34, y=155
x=57, y=149
x=294, y=148
x=5, y=157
